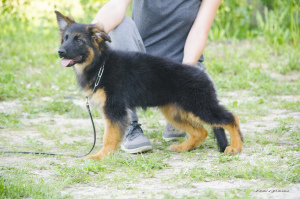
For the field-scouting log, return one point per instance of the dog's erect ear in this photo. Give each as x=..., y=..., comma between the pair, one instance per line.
x=103, y=35
x=98, y=34
x=63, y=21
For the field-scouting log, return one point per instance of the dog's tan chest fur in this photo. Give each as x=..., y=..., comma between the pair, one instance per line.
x=98, y=98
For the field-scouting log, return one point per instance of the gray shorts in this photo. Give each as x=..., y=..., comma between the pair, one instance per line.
x=127, y=37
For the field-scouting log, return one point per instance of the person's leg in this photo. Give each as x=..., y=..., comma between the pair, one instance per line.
x=201, y=66
x=127, y=38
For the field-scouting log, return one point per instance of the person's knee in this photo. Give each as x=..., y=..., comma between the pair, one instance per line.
x=127, y=23
x=126, y=27
x=126, y=37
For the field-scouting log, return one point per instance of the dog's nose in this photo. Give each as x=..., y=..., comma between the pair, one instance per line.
x=61, y=52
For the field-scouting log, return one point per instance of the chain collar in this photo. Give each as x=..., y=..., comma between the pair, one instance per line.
x=99, y=77
x=96, y=82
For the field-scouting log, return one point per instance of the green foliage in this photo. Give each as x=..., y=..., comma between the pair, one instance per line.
x=233, y=20
x=277, y=21
x=265, y=170
x=20, y=184
x=59, y=107
x=295, y=135
x=9, y=121
x=91, y=7
x=140, y=163
x=227, y=158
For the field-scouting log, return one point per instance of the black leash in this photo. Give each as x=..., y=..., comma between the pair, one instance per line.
x=53, y=154
x=88, y=108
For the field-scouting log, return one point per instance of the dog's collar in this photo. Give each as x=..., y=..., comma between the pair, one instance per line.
x=97, y=80
x=99, y=77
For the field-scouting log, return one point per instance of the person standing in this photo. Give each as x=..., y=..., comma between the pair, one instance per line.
x=175, y=29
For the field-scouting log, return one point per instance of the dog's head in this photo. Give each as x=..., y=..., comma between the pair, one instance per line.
x=79, y=42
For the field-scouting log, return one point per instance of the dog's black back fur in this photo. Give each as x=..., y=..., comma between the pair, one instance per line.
x=129, y=84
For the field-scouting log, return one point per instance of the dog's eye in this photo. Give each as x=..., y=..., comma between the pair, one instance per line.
x=78, y=39
x=66, y=37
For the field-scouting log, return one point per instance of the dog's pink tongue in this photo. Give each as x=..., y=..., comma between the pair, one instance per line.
x=65, y=62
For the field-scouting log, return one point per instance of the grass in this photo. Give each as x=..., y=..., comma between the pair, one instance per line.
x=8, y=120
x=22, y=183
x=270, y=164
x=256, y=79
x=266, y=170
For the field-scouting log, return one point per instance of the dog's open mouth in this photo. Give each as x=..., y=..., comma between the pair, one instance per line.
x=70, y=62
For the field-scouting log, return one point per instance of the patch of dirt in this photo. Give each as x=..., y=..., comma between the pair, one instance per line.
x=9, y=106
x=159, y=185
x=286, y=77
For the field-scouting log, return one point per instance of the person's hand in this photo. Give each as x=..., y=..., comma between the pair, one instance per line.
x=196, y=40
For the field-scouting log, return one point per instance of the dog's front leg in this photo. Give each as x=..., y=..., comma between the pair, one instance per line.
x=111, y=140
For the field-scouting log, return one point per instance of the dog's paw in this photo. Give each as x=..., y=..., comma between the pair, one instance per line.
x=99, y=155
x=175, y=148
x=233, y=150
x=92, y=157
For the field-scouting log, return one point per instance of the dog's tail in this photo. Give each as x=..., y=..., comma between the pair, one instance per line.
x=221, y=138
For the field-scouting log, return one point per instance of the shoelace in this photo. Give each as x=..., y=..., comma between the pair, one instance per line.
x=132, y=131
x=171, y=128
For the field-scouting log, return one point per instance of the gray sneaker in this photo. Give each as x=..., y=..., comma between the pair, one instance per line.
x=171, y=133
x=134, y=140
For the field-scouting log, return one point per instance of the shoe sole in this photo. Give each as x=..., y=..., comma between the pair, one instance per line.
x=137, y=150
x=172, y=138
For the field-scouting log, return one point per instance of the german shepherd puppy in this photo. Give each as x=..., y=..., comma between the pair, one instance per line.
x=184, y=93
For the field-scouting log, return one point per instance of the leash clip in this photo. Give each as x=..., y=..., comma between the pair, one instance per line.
x=87, y=101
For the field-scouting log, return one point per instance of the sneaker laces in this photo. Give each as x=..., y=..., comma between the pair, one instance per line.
x=171, y=127
x=134, y=130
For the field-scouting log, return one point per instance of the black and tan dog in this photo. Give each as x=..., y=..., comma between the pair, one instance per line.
x=184, y=94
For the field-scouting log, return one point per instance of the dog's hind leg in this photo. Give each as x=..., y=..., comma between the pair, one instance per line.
x=217, y=116
x=220, y=136
x=181, y=121
x=196, y=137
x=236, y=136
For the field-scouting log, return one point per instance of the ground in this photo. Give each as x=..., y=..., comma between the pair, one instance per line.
x=260, y=86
